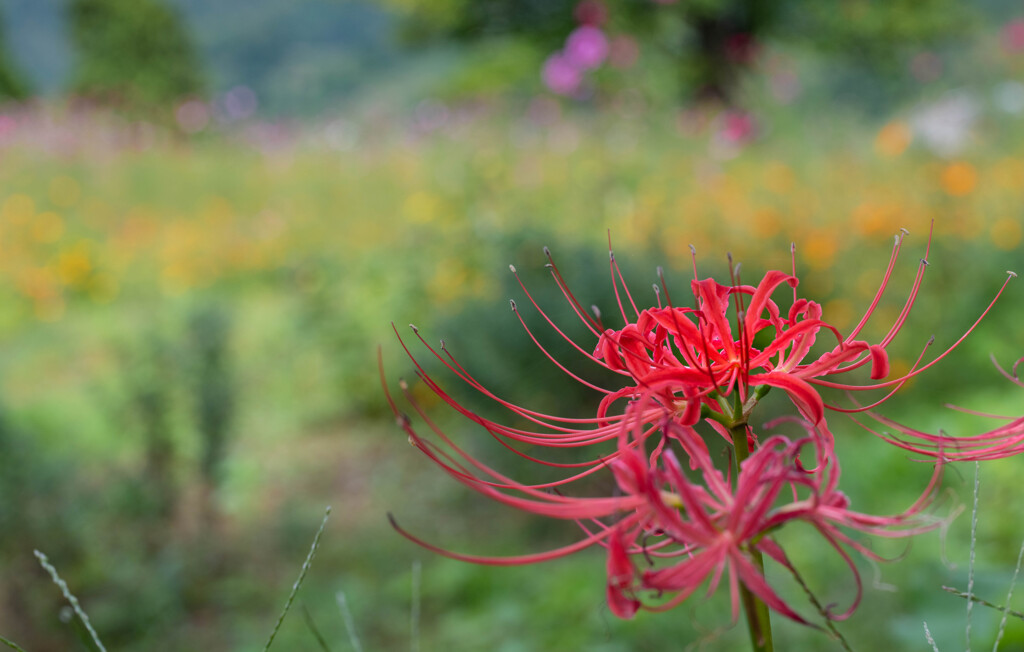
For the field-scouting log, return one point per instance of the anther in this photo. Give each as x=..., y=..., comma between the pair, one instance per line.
x=904, y=231
x=611, y=256
x=1012, y=274
x=792, y=247
x=924, y=261
x=512, y=302
x=693, y=250
x=414, y=329
x=444, y=345
x=402, y=384
x=931, y=340
x=512, y=268
x=547, y=252
x=596, y=311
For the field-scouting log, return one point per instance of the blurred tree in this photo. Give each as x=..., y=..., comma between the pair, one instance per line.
x=12, y=86
x=714, y=41
x=133, y=53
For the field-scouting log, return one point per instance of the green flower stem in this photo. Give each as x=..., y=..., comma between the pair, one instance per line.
x=758, y=617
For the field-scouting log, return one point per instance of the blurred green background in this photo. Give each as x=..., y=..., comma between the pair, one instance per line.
x=210, y=213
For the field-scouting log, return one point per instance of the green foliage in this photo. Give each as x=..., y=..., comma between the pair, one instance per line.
x=711, y=42
x=132, y=53
x=12, y=85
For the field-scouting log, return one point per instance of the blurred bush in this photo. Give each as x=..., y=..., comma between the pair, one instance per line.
x=133, y=54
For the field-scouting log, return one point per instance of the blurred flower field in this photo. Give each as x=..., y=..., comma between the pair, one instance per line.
x=308, y=244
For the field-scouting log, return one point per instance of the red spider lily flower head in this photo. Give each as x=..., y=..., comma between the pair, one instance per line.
x=691, y=358
x=712, y=526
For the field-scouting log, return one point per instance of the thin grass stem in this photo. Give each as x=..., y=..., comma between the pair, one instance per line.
x=973, y=598
x=1009, y=596
x=970, y=564
x=928, y=637
x=45, y=563
x=302, y=576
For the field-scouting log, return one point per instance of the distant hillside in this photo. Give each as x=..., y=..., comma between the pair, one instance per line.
x=298, y=55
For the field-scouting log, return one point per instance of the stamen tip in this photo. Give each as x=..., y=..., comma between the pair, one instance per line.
x=597, y=311
x=512, y=302
x=903, y=231
x=1012, y=273
x=414, y=329
x=924, y=261
x=402, y=384
x=693, y=250
x=547, y=252
x=512, y=268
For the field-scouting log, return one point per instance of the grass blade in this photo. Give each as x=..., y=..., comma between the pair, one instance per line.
x=414, y=611
x=45, y=563
x=313, y=628
x=11, y=644
x=346, y=616
x=302, y=576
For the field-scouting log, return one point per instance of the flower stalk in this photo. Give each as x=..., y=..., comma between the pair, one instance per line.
x=757, y=613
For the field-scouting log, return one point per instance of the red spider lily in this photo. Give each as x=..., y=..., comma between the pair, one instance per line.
x=694, y=357
x=1000, y=442
x=707, y=529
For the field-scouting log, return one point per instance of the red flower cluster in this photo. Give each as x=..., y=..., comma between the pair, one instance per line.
x=668, y=532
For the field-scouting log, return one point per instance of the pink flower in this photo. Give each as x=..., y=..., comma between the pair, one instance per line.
x=1013, y=37
x=586, y=47
x=561, y=74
